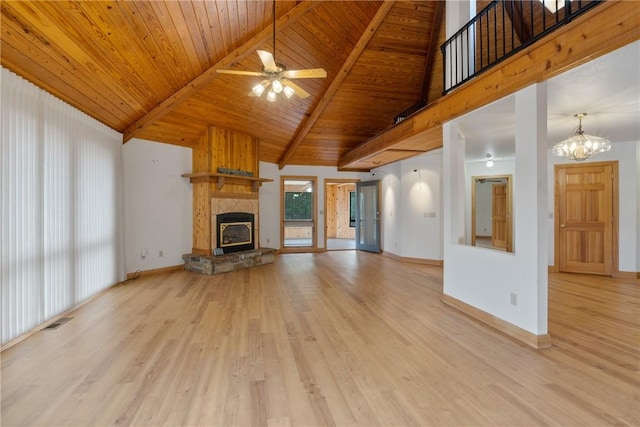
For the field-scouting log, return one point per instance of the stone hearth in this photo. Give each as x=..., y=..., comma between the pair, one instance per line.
x=228, y=262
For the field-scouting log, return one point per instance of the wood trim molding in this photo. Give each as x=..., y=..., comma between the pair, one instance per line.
x=302, y=250
x=526, y=337
x=130, y=276
x=424, y=261
x=628, y=274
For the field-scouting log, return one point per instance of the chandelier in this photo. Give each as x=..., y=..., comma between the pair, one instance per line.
x=581, y=146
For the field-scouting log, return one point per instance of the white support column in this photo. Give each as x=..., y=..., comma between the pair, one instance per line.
x=500, y=288
x=531, y=189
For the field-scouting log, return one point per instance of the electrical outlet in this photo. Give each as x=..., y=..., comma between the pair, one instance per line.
x=268, y=240
x=514, y=298
x=160, y=253
x=143, y=253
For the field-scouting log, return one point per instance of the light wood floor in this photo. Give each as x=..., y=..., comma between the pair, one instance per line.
x=337, y=338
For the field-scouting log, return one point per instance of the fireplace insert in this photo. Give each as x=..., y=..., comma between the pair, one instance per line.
x=235, y=231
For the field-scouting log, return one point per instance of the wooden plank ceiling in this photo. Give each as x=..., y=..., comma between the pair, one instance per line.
x=148, y=68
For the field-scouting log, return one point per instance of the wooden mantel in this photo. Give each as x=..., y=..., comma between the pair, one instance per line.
x=220, y=179
x=221, y=149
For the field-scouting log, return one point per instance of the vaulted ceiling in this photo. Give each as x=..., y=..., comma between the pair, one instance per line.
x=148, y=69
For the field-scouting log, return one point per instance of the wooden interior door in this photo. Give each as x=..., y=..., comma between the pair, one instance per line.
x=585, y=218
x=499, y=216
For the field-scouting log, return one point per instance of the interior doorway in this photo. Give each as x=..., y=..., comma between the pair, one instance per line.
x=339, y=208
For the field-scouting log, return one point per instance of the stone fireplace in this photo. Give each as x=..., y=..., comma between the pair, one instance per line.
x=226, y=223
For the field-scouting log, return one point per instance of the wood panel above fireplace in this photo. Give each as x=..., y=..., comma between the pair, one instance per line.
x=221, y=149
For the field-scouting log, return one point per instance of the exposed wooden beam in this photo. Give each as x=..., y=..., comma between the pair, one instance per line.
x=371, y=29
x=605, y=28
x=432, y=48
x=257, y=41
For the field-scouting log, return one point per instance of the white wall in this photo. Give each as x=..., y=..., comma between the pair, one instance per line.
x=158, y=204
x=485, y=278
x=626, y=153
x=412, y=206
x=269, y=197
x=638, y=206
x=391, y=206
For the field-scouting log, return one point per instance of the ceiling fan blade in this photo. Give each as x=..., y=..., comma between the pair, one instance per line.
x=299, y=91
x=241, y=73
x=267, y=60
x=312, y=73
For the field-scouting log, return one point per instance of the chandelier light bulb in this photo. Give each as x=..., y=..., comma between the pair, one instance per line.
x=276, y=85
x=289, y=91
x=259, y=88
x=271, y=96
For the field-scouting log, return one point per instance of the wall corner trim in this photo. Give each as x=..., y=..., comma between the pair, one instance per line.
x=513, y=331
x=425, y=261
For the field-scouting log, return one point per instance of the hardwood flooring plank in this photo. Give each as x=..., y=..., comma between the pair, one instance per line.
x=346, y=339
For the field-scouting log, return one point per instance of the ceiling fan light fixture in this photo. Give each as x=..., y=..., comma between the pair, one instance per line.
x=580, y=146
x=289, y=91
x=276, y=76
x=260, y=88
x=276, y=85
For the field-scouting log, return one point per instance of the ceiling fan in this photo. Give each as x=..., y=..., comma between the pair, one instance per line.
x=276, y=77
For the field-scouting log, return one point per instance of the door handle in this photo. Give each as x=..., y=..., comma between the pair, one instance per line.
x=562, y=226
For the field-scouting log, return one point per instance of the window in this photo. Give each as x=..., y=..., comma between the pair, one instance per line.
x=298, y=205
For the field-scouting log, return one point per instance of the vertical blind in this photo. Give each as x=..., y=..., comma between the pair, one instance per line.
x=60, y=207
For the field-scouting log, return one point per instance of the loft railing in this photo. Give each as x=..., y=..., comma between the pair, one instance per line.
x=500, y=30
